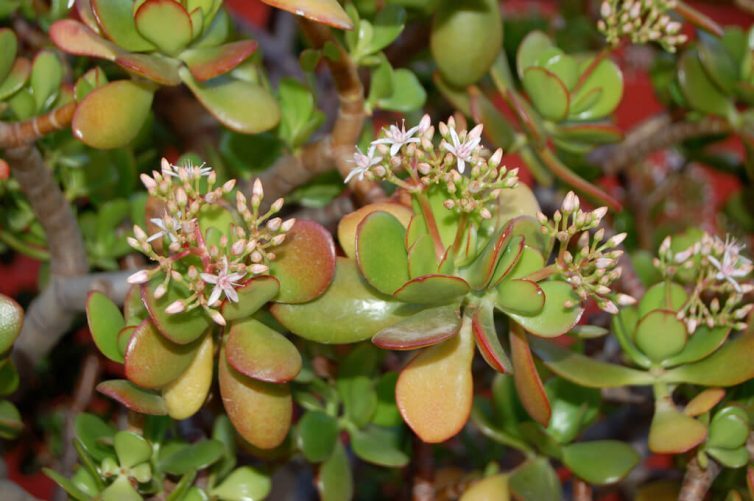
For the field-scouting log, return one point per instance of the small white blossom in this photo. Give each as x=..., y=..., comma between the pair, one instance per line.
x=168, y=226
x=363, y=163
x=733, y=264
x=187, y=172
x=463, y=150
x=224, y=282
x=396, y=138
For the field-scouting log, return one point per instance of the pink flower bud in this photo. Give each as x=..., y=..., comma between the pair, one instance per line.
x=139, y=277
x=175, y=307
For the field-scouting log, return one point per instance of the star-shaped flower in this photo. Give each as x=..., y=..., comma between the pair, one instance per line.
x=168, y=226
x=396, y=138
x=224, y=282
x=187, y=172
x=463, y=150
x=733, y=264
x=363, y=163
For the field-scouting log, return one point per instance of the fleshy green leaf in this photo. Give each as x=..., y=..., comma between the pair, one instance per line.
x=381, y=253
x=533, y=44
x=105, y=322
x=663, y=296
x=244, y=484
x=535, y=480
x=161, y=70
x=188, y=458
x=11, y=321
x=432, y=289
x=16, y=79
x=257, y=351
x=75, y=38
x=348, y=225
x=131, y=449
x=8, y=49
x=407, y=93
x=485, y=334
x=93, y=432
x=257, y=292
x=702, y=343
x=555, y=318
x=327, y=12
x=209, y=62
x=700, y=92
x=165, y=23
x=600, y=462
x=334, y=481
x=115, y=18
x=133, y=397
x=659, y=334
x=426, y=328
x=521, y=297
x=728, y=429
x=673, y=432
x=317, y=434
x=529, y=385
x=46, y=77
x=608, y=78
x=547, y=92
x=182, y=328
x=378, y=446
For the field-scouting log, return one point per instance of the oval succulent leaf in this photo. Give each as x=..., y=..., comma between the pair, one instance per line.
x=659, y=334
x=348, y=312
x=348, y=225
x=19, y=74
x=664, y=296
x=186, y=395
x=152, y=361
x=556, y=317
x=673, y=432
x=205, y=63
x=521, y=297
x=257, y=351
x=728, y=429
x=76, y=38
x=608, y=78
x=115, y=19
x=529, y=50
x=529, y=385
x=261, y=412
x=253, y=295
x=547, y=92
x=165, y=23
x=426, y=328
x=485, y=334
x=11, y=321
x=482, y=269
x=601, y=461
x=8, y=49
x=161, y=70
x=111, y=116
x=434, y=391
x=105, y=322
x=327, y=12
x=316, y=435
x=704, y=402
x=432, y=289
x=701, y=344
x=133, y=397
x=380, y=446
x=380, y=251
x=697, y=88
x=131, y=449
x=305, y=263
x=492, y=488
x=182, y=328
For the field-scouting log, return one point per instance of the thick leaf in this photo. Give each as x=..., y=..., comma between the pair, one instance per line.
x=704, y=402
x=426, y=328
x=131, y=449
x=105, y=322
x=45, y=80
x=378, y=446
x=421, y=257
x=117, y=23
x=432, y=289
x=261, y=412
x=587, y=371
x=590, y=133
x=558, y=316
x=574, y=407
x=388, y=24
x=659, y=334
x=75, y=38
x=535, y=480
x=322, y=11
x=188, y=458
x=560, y=64
x=492, y=488
x=664, y=296
x=508, y=261
x=165, y=23
x=221, y=97
x=67, y=485
x=181, y=328
x=349, y=223
x=8, y=48
x=111, y=116
x=316, y=435
x=186, y=394
x=547, y=92
x=529, y=385
x=152, y=361
x=697, y=88
x=728, y=366
x=702, y=343
x=731, y=458
x=408, y=93
x=305, y=263
x=530, y=261
x=529, y=50
x=520, y=297
x=485, y=334
x=257, y=351
x=11, y=321
x=434, y=391
x=133, y=397
x=334, y=481
x=257, y=292
x=16, y=79
x=355, y=384
x=93, y=433
x=380, y=251
x=243, y=484
x=349, y=311
x=600, y=462
x=120, y=490
x=608, y=78
x=729, y=429
x=673, y=432
x=159, y=69
x=210, y=62
x=481, y=270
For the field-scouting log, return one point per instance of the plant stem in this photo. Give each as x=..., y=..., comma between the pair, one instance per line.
x=697, y=480
x=582, y=491
x=19, y=245
x=698, y=19
x=21, y=134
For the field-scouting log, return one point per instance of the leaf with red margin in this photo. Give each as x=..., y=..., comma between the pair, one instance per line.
x=159, y=69
x=165, y=23
x=76, y=38
x=380, y=251
x=152, y=361
x=483, y=326
x=348, y=225
x=208, y=62
x=116, y=22
x=133, y=397
x=529, y=385
x=673, y=432
x=17, y=77
x=257, y=351
x=434, y=391
x=704, y=402
x=426, y=328
x=556, y=317
x=322, y=11
x=254, y=294
x=521, y=297
x=508, y=261
x=261, y=412
x=483, y=268
x=86, y=13
x=181, y=328
x=305, y=263
x=432, y=289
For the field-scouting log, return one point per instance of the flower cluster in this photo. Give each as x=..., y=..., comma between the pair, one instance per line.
x=717, y=273
x=211, y=263
x=594, y=264
x=411, y=160
x=642, y=21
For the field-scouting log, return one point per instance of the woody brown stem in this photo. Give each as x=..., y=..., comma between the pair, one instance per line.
x=582, y=491
x=697, y=480
x=19, y=134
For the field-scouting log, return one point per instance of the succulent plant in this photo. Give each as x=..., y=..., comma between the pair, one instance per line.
x=216, y=268
x=11, y=321
x=162, y=43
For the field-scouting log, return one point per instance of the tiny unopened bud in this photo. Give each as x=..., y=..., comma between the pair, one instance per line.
x=160, y=291
x=139, y=233
x=599, y=213
x=609, y=307
x=665, y=245
x=133, y=243
x=140, y=277
x=175, y=307
x=625, y=300
x=485, y=213
x=496, y=157
x=691, y=324
x=277, y=205
x=605, y=9
x=424, y=124
x=148, y=182
x=216, y=317
x=449, y=204
x=258, y=269
x=257, y=189
x=570, y=202
x=274, y=224
x=165, y=165
x=278, y=239
x=229, y=185
x=287, y=225
x=603, y=263
x=181, y=197
x=618, y=239
x=238, y=247
x=541, y=218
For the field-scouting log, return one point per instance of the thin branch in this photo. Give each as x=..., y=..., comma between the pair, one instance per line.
x=20, y=134
x=657, y=133
x=52, y=312
x=88, y=378
x=582, y=491
x=697, y=480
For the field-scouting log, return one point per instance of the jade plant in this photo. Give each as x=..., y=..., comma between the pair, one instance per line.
x=290, y=236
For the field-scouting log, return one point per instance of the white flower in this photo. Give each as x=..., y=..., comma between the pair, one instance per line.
x=733, y=264
x=396, y=137
x=224, y=282
x=363, y=163
x=168, y=226
x=184, y=173
x=463, y=150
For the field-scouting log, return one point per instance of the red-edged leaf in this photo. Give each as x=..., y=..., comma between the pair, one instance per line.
x=481, y=271
x=426, y=328
x=529, y=385
x=159, y=69
x=253, y=295
x=483, y=326
x=673, y=432
x=86, y=13
x=432, y=289
x=257, y=351
x=208, y=62
x=305, y=263
x=165, y=23
x=133, y=397
x=350, y=222
x=704, y=402
x=322, y=11
x=76, y=38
